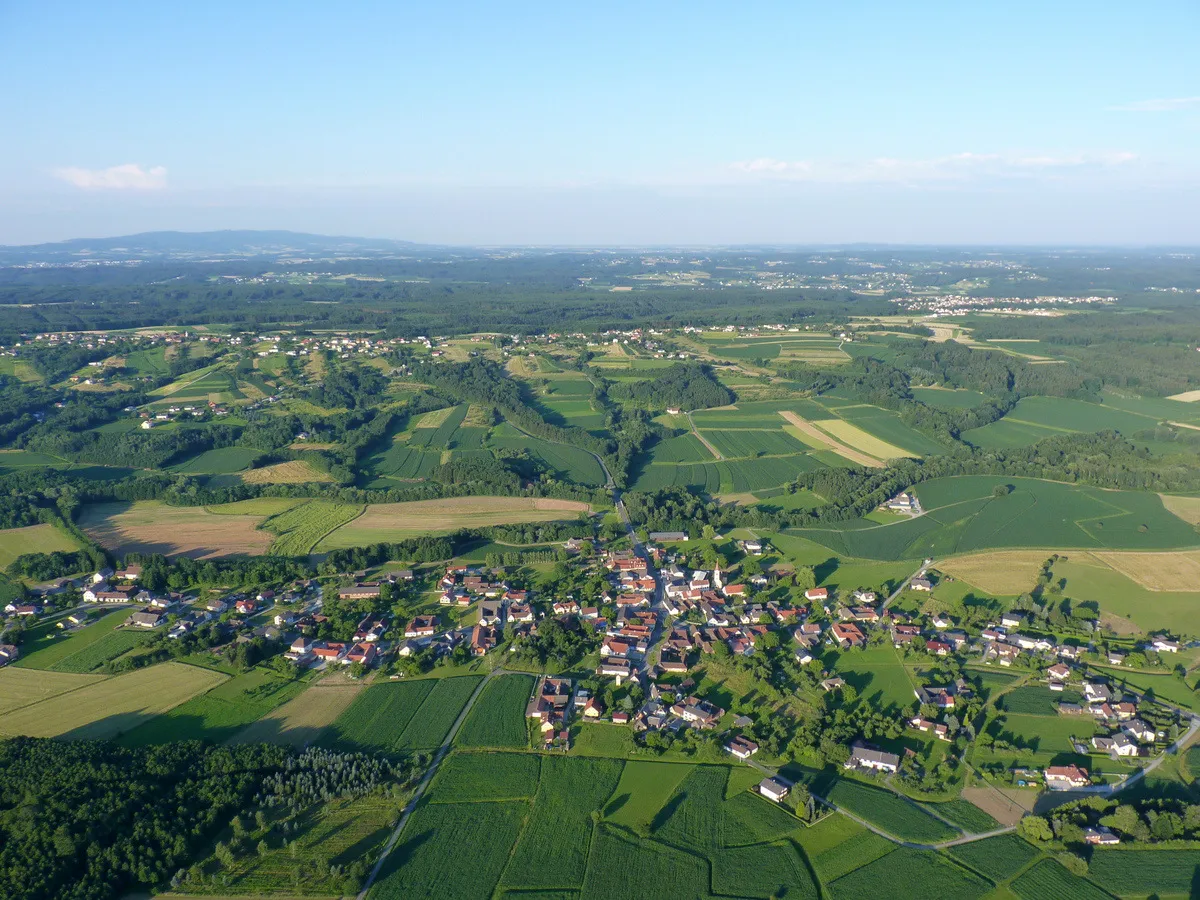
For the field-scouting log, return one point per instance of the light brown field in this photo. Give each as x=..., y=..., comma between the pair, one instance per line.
x=310, y=445
x=478, y=416
x=813, y=434
x=148, y=526
x=1157, y=571
x=299, y=721
x=21, y=687
x=1006, y=807
x=1002, y=572
x=850, y=434
x=294, y=471
x=395, y=521
x=1186, y=396
x=433, y=419
x=111, y=706
x=1187, y=508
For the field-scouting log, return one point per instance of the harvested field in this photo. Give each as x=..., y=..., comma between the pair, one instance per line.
x=149, y=526
x=1187, y=508
x=1001, y=572
x=1157, y=571
x=1186, y=396
x=295, y=471
x=22, y=687
x=850, y=434
x=33, y=539
x=111, y=706
x=1007, y=808
x=808, y=432
x=395, y=521
x=258, y=506
x=299, y=721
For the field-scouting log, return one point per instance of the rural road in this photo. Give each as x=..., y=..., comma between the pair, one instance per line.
x=905, y=583
x=711, y=449
x=428, y=777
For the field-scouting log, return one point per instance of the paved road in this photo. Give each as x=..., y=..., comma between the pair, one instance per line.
x=904, y=584
x=428, y=777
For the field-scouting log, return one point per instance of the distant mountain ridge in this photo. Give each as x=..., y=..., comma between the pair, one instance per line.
x=198, y=244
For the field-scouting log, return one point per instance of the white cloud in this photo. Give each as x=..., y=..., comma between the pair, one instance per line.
x=129, y=177
x=1163, y=104
x=954, y=167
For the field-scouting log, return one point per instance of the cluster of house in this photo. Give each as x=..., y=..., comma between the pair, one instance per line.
x=904, y=502
x=554, y=702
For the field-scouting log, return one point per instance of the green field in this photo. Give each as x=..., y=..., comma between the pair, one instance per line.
x=378, y=716
x=221, y=713
x=1035, y=418
x=999, y=858
x=965, y=815
x=948, y=399
x=886, y=810
x=48, y=647
x=300, y=528
x=105, y=648
x=907, y=874
x=429, y=727
x=476, y=777
x=1146, y=872
x=573, y=463
x=886, y=425
x=878, y=675
x=33, y=539
x=225, y=461
x=963, y=516
x=1050, y=881
x=498, y=717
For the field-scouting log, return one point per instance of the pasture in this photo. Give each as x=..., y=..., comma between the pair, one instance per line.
x=33, y=539
x=150, y=526
x=963, y=515
x=106, y=647
x=108, y=707
x=47, y=648
x=396, y=521
x=498, y=717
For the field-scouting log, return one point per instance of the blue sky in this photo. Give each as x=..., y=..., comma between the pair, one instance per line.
x=614, y=123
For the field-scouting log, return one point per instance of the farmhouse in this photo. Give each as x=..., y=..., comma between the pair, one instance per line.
x=698, y=712
x=847, y=635
x=1064, y=778
x=363, y=591
x=8, y=653
x=421, y=626
x=774, y=789
x=662, y=537
x=742, y=748
x=483, y=639
x=865, y=758
x=146, y=619
x=817, y=593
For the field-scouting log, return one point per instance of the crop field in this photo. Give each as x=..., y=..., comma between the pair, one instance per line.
x=294, y=471
x=1035, y=418
x=395, y=521
x=225, y=461
x=683, y=449
x=1048, y=880
x=404, y=462
x=852, y=435
x=301, y=528
x=999, y=572
x=849, y=853
x=725, y=477
x=111, y=706
x=429, y=727
x=746, y=442
x=553, y=849
x=1187, y=508
x=470, y=777
x=908, y=874
x=25, y=687
x=105, y=648
x=498, y=717
x=622, y=865
x=963, y=516
x=965, y=815
x=999, y=858
x=435, y=429
x=299, y=721
x=764, y=870
x=149, y=526
x=219, y=714
x=33, y=539
x=1032, y=700
x=431, y=859
x=573, y=463
x=1157, y=571
x=885, y=810
x=44, y=648
x=809, y=432
x=887, y=426
x=1138, y=872
x=377, y=716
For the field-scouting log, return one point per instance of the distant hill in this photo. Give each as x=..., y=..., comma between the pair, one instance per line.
x=184, y=245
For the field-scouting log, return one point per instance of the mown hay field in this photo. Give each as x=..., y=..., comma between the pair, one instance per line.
x=150, y=526
x=396, y=521
x=1187, y=508
x=33, y=539
x=48, y=648
x=25, y=687
x=811, y=433
x=111, y=706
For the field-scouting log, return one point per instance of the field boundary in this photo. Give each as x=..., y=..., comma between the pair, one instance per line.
x=830, y=442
